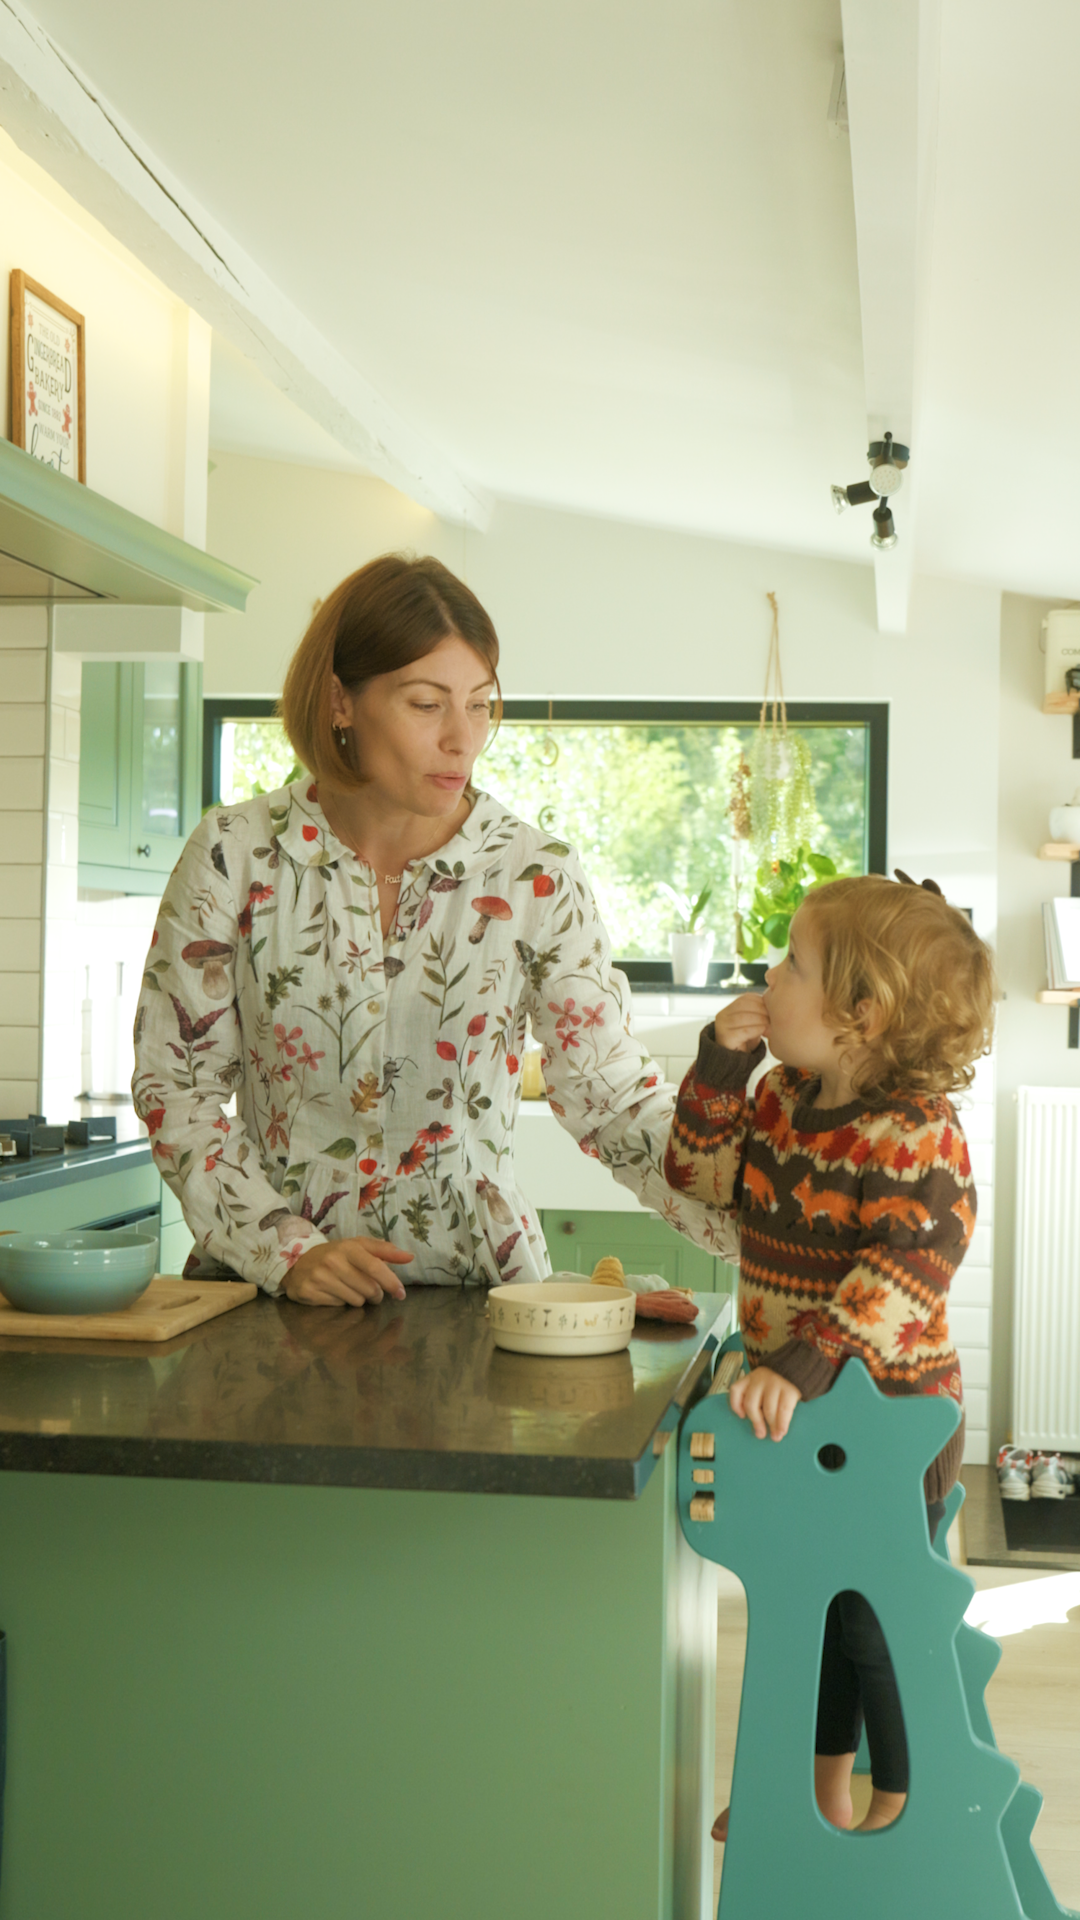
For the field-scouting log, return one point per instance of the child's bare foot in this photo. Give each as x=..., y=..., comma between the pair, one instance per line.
x=832, y=1787
x=720, y=1826
x=884, y=1808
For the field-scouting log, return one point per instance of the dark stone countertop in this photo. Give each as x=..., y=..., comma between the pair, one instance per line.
x=410, y=1395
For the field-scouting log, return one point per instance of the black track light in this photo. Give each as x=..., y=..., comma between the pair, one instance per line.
x=884, y=534
x=887, y=460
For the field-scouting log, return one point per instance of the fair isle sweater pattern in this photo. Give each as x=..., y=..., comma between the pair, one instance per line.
x=852, y=1220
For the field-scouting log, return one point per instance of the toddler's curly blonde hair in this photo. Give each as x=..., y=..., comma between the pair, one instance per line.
x=930, y=977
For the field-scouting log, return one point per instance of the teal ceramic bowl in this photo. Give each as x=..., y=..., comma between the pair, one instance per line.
x=90, y=1271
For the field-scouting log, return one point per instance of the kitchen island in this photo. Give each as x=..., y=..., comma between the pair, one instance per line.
x=341, y=1614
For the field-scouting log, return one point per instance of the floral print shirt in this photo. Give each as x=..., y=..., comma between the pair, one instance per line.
x=377, y=1082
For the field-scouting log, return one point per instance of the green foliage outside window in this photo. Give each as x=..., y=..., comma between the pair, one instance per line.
x=645, y=805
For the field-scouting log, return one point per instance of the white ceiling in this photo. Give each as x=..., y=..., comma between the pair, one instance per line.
x=604, y=255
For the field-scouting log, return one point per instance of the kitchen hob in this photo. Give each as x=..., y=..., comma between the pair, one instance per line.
x=36, y=1151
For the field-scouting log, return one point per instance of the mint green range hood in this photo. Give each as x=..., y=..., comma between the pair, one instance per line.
x=61, y=544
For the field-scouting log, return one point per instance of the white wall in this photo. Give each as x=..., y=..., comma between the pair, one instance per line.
x=1037, y=772
x=594, y=607
x=140, y=373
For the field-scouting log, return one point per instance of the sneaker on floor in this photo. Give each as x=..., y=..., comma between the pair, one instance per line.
x=1014, y=1473
x=1049, y=1479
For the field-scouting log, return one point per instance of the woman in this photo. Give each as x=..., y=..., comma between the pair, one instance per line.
x=355, y=956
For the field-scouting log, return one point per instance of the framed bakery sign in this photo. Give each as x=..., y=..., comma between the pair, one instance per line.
x=48, y=377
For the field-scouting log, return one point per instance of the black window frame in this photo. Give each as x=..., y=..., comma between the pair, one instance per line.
x=654, y=974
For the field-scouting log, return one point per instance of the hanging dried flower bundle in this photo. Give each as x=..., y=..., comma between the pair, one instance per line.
x=782, y=810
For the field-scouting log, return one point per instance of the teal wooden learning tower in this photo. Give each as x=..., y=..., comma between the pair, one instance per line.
x=797, y=1533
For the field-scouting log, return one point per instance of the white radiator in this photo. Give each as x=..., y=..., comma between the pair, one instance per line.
x=1046, y=1300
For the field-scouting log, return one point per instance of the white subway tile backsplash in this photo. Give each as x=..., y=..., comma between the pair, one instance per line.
x=22, y=782
x=24, y=627
x=64, y=786
x=66, y=679
x=20, y=998
x=976, y=1406
x=974, y=1366
x=20, y=1051
x=20, y=945
x=980, y=1252
x=969, y=1326
x=971, y=1287
x=21, y=837
x=20, y=892
x=22, y=674
x=63, y=844
x=61, y=892
x=18, y=1097
x=22, y=730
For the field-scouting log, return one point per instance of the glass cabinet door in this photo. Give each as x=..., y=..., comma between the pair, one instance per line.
x=162, y=739
x=139, y=770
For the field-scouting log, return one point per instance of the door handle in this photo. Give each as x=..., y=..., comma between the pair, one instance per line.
x=569, y=1226
x=145, y=851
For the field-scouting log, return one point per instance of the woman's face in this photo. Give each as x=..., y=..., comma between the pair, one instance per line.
x=416, y=732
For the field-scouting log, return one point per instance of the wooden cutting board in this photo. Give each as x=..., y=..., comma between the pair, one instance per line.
x=168, y=1307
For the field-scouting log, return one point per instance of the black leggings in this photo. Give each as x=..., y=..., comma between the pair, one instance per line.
x=858, y=1681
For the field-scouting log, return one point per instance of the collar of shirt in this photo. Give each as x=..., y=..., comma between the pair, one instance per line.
x=301, y=829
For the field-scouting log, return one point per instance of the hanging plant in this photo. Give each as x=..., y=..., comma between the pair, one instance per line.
x=782, y=809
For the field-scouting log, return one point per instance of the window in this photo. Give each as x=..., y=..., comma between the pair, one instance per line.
x=641, y=789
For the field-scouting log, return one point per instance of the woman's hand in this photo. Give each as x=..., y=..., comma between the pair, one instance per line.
x=742, y=1023
x=345, y=1273
x=766, y=1399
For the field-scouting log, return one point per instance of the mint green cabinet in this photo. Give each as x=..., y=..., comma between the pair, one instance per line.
x=139, y=770
x=577, y=1240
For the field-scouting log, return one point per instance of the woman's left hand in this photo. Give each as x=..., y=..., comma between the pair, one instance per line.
x=346, y=1273
x=766, y=1399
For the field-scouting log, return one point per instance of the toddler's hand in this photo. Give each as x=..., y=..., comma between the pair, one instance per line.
x=742, y=1023
x=766, y=1399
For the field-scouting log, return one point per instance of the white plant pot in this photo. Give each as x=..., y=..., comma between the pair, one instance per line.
x=1065, y=822
x=690, y=956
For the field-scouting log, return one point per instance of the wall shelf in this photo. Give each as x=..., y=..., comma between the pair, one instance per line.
x=1062, y=703
x=1058, y=997
x=1059, y=850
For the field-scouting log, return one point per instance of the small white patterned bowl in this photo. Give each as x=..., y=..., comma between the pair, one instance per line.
x=561, y=1317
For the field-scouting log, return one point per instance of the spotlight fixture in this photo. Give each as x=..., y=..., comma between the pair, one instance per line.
x=884, y=534
x=856, y=496
x=887, y=460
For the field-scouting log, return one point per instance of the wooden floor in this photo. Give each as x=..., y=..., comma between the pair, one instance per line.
x=1034, y=1700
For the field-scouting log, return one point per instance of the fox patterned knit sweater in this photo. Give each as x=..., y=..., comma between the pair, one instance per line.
x=853, y=1221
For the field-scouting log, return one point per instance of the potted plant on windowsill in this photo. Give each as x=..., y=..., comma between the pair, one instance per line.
x=691, y=950
x=779, y=890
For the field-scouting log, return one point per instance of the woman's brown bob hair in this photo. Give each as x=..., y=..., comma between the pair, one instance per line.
x=928, y=975
x=383, y=617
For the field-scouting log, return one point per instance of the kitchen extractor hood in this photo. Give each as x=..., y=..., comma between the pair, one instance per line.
x=60, y=544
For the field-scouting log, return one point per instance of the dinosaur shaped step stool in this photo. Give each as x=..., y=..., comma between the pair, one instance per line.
x=796, y=1533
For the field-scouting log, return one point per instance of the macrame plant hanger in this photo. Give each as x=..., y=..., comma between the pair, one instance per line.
x=781, y=795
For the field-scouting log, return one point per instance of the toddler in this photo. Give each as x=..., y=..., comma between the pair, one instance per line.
x=850, y=1177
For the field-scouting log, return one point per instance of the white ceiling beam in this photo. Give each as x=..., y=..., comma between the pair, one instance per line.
x=61, y=121
x=891, y=60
